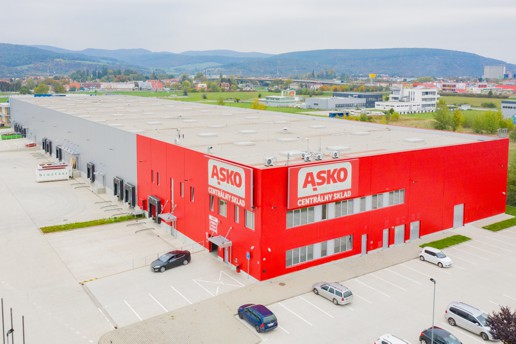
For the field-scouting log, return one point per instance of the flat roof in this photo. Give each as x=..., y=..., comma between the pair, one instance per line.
x=248, y=136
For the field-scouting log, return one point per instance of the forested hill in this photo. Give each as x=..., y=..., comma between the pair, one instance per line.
x=20, y=60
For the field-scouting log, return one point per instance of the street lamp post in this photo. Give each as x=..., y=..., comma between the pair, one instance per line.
x=433, y=312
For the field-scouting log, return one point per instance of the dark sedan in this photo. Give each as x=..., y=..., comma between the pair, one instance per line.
x=440, y=336
x=171, y=260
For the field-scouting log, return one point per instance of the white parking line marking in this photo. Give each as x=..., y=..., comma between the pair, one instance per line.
x=403, y=276
x=206, y=290
x=297, y=315
x=469, y=253
x=311, y=304
x=497, y=247
x=284, y=330
x=105, y=317
x=239, y=283
x=480, y=249
x=419, y=272
x=503, y=242
x=494, y=303
x=509, y=297
x=132, y=309
x=177, y=291
x=372, y=288
x=363, y=298
x=393, y=284
x=166, y=310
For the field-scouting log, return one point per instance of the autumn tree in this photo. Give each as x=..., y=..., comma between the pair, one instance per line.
x=503, y=325
x=442, y=116
x=41, y=89
x=457, y=120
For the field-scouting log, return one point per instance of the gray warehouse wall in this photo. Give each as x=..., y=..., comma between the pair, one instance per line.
x=113, y=151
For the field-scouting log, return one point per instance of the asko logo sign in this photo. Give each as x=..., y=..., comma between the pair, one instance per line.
x=317, y=184
x=230, y=182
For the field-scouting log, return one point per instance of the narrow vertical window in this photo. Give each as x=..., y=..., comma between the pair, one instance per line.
x=192, y=190
x=212, y=203
x=249, y=219
x=223, y=207
x=237, y=213
x=182, y=189
x=152, y=176
x=157, y=178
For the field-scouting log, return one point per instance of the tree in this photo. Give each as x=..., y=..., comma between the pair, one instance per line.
x=24, y=90
x=257, y=105
x=503, y=325
x=442, y=116
x=58, y=88
x=41, y=89
x=457, y=120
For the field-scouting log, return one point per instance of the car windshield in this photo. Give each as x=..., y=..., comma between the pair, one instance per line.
x=270, y=318
x=164, y=258
x=482, y=319
x=440, y=255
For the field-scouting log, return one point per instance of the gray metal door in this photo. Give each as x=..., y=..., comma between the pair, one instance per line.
x=414, y=230
x=386, y=238
x=364, y=244
x=399, y=234
x=458, y=215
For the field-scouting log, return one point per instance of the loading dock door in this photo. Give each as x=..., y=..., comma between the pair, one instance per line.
x=90, y=171
x=414, y=230
x=130, y=194
x=154, y=208
x=118, y=188
x=399, y=234
x=458, y=215
x=386, y=238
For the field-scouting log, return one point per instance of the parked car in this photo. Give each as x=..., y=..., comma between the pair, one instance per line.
x=258, y=316
x=435, y=256
x=440, y=336
x=390, y=339
x=333, y=291
x=170, y=260
x=469, y=318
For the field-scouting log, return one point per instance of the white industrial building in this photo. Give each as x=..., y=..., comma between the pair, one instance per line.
x=494, y=72
x=335, y=103
x=509, y=109
x=410, y=100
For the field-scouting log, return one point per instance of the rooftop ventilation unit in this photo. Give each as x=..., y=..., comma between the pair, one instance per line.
x=318, y=156
x=335, y=155
x=307, y=157
x=269, y=161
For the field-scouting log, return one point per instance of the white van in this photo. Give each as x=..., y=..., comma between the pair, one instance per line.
x=469, y=318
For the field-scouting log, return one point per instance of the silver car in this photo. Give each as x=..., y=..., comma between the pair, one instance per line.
x=333, y=291
x=469, y=318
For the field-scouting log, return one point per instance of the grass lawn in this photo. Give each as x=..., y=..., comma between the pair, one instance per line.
x=495, y=227
x=447, y=242
x=474, y=102
x=99, y=222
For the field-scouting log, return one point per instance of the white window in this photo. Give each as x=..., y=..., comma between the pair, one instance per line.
x=237, y=213
x=249, y=219
x=212, y=203
x=223, y=207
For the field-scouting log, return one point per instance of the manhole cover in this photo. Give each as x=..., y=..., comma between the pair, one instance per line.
x=281, y=284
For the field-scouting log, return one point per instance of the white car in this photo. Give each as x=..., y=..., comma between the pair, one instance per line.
x=390, y=339
x=435, y=256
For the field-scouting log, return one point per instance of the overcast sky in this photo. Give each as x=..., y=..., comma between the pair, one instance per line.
x=483, y=27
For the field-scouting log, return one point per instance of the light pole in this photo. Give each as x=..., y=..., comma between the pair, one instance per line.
x=433, y=312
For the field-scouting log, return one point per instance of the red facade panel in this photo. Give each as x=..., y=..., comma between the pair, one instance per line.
x=434, y=180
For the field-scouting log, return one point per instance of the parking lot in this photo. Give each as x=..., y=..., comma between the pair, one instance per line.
x=73, y=287
x=399, y=299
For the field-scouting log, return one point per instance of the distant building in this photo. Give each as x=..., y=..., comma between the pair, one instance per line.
x=370, y=97
x=509, y=109
x=117, y=86
x=5, y=111
x=288, y=98
x=494, y=72
x=453, y=87
x=335, y=103
x=410, y=100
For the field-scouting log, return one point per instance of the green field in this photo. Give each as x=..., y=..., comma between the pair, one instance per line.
x=474, y=102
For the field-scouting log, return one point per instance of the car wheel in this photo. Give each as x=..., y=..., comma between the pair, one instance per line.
x=484, y=336
x=421, y=258
x=185, y=262
x=451, y=321
x=257, y=328
x=423, y=341
x=335, y=301
x=162, y=269
x=316, y=292
x=440, y=264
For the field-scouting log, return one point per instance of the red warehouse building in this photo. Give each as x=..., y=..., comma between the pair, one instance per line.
x=267, y=192
x=254, y=192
